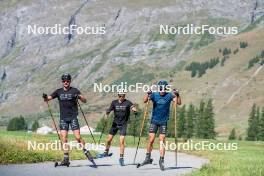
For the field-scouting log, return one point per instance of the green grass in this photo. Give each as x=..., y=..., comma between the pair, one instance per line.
x=14, y=148
x=247, y=160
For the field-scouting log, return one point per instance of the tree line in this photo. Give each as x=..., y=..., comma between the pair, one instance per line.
x=199, y=68
x=255, y=131
x=257, y=59
x=19, y=124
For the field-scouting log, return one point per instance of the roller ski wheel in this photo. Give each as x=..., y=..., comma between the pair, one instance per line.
x=63, y=163
x=144, y=163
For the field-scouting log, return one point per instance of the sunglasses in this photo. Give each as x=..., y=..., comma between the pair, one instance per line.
x=121, y=96
x=66, y=81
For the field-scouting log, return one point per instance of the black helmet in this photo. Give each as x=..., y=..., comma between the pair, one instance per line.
x=66, y=76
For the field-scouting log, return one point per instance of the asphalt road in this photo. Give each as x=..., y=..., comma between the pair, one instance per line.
x=109, y=166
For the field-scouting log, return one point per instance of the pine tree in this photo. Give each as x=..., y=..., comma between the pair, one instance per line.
x=262, y=54
x=171, y=124
x=134, y=123
x=181, y=122
x=200, y=120
x=256, y=124
x=35, y=125
x=232, y=135
x=252, y=131
x=17, y=123
x=193, y=73
x=190, y=121
x=100, y=124
x=261, y=126
x=209, y=122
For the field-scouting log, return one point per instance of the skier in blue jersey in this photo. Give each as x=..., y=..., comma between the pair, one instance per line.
x=160, y=116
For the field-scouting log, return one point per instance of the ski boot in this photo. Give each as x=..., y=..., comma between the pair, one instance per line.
x=103, y=155
x=90, y=158
x=161, y=163
x=121, y=161
x=147, y=160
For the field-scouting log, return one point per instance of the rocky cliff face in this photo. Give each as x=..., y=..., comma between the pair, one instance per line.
x=32, y=64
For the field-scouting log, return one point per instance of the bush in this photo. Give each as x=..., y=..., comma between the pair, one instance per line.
x=35, y=126
x=262, y=54
x=16, y=124
x=226, y=51
x=235, y=51
x=243, y=44
x=262, y=62
x=223, y=60
x=252, y=62
x=232, y=135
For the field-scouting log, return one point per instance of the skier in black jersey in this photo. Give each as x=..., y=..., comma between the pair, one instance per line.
x=68, y=97
x=121, y=108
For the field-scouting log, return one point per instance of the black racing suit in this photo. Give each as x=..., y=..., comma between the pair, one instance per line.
x=68, y=108
x=121, y=116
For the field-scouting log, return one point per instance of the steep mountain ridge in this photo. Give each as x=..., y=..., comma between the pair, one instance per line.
x=32, y=64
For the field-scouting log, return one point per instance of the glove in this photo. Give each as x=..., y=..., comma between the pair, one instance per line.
x=77, y=96
x=136, y=113
x=149, y=92
x=44, y=96
x=176, y=92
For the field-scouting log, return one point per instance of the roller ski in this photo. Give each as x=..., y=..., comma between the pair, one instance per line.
x=145, y=162
x=90, y=158
x=103, y=155
x=64, y=162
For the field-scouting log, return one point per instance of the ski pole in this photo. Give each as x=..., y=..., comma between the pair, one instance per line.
x=105, y=124
x=54, y=123
x=141, y=130
x=175, y=128
x=86, y=121
x=135, y=129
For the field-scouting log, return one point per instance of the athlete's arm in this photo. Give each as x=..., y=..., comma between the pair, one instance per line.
x=50, y=97
x=46, y=97
x=147, y=97
x=176, y=96
x=82, y=98
x=110, y=108
x=177, y=99
x=134, y=108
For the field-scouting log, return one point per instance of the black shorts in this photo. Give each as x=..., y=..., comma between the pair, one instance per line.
x=115, y=127
x=154, y=128
x=64, y=124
